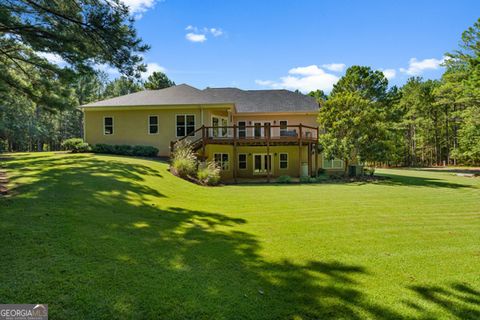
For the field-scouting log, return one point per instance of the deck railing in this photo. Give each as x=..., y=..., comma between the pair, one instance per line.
x=267, y=133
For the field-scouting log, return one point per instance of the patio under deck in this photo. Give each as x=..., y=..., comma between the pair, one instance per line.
x=265, y=135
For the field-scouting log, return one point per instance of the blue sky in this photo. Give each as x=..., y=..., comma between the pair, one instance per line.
x=297, y=44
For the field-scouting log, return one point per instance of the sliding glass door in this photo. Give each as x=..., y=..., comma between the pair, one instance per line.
x=262, y=163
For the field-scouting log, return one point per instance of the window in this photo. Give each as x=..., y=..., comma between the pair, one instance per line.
x=242, y=129
x=108, y=125
x=221, y=159
x=153, y=124
x=242, y=161
x=283, y=157
x=283, y=128
x=257, y=131
x=185, y=125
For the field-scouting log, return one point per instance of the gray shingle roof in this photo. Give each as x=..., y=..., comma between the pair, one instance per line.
x=244, y=100
x=265, y=100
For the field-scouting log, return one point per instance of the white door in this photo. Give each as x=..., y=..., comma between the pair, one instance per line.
x=259, y=129
x=219, y=124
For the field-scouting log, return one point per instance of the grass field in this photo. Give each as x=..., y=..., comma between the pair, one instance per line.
x=104, y=237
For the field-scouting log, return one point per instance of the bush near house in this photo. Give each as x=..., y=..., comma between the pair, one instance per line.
x=126, y=150
x=284, y=179
x=76, y=145
x=208, y=173
x=184, y=162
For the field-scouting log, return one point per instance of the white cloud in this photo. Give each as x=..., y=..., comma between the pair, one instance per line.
x=266, y=83
x=138, y=7
x=200, y=34
x=389, y=73
x=416, y=67
x=52, y=58
x=216, y=32
x=110, y=71
x=195, y=37
x=151, y=68
x=307, y=71
x=335, y=67
x=304, y=79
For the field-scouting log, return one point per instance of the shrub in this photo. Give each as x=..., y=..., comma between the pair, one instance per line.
x=102, y=148
x=184, y=161
x=145, y=151
x=75, y=145
x=305, y=179
x=369, y=171
x=284, y=179
x=123, y=149
x=323, y=177
x=209, y=173
x=320, y=171
x=126, y=150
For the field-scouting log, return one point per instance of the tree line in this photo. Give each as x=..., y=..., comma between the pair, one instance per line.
x=422, y=123
x=29, y=126
x=49, y=53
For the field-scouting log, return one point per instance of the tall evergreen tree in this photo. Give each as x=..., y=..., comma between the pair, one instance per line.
x=158, y=80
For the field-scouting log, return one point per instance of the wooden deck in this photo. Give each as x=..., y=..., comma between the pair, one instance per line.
x=258, y=141
x=266, y=135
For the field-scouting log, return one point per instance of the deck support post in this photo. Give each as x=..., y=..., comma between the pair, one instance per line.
x=234, y=160
x=269, y=160
x=300, y=134
x=309, y=150
x=203, y=143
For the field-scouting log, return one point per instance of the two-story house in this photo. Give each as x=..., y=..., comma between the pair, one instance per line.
x=249, y=133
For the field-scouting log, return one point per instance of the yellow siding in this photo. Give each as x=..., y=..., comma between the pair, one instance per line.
x=131, y=125
x=293, y=159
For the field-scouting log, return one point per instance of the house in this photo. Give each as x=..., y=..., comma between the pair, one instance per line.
x=249, y=133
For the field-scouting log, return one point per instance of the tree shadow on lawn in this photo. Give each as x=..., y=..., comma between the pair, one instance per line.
x=79, y=241
x=404, y=180
x=89, y=166
x=472, y=170
x=459, y=300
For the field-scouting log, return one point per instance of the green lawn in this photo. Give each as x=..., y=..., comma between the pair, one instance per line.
x=116, y=237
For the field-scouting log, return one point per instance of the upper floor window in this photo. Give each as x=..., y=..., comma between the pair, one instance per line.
x=152, y=124
x=185, y=124
x=108, y=125
x=242, y=130
x=283, y=127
